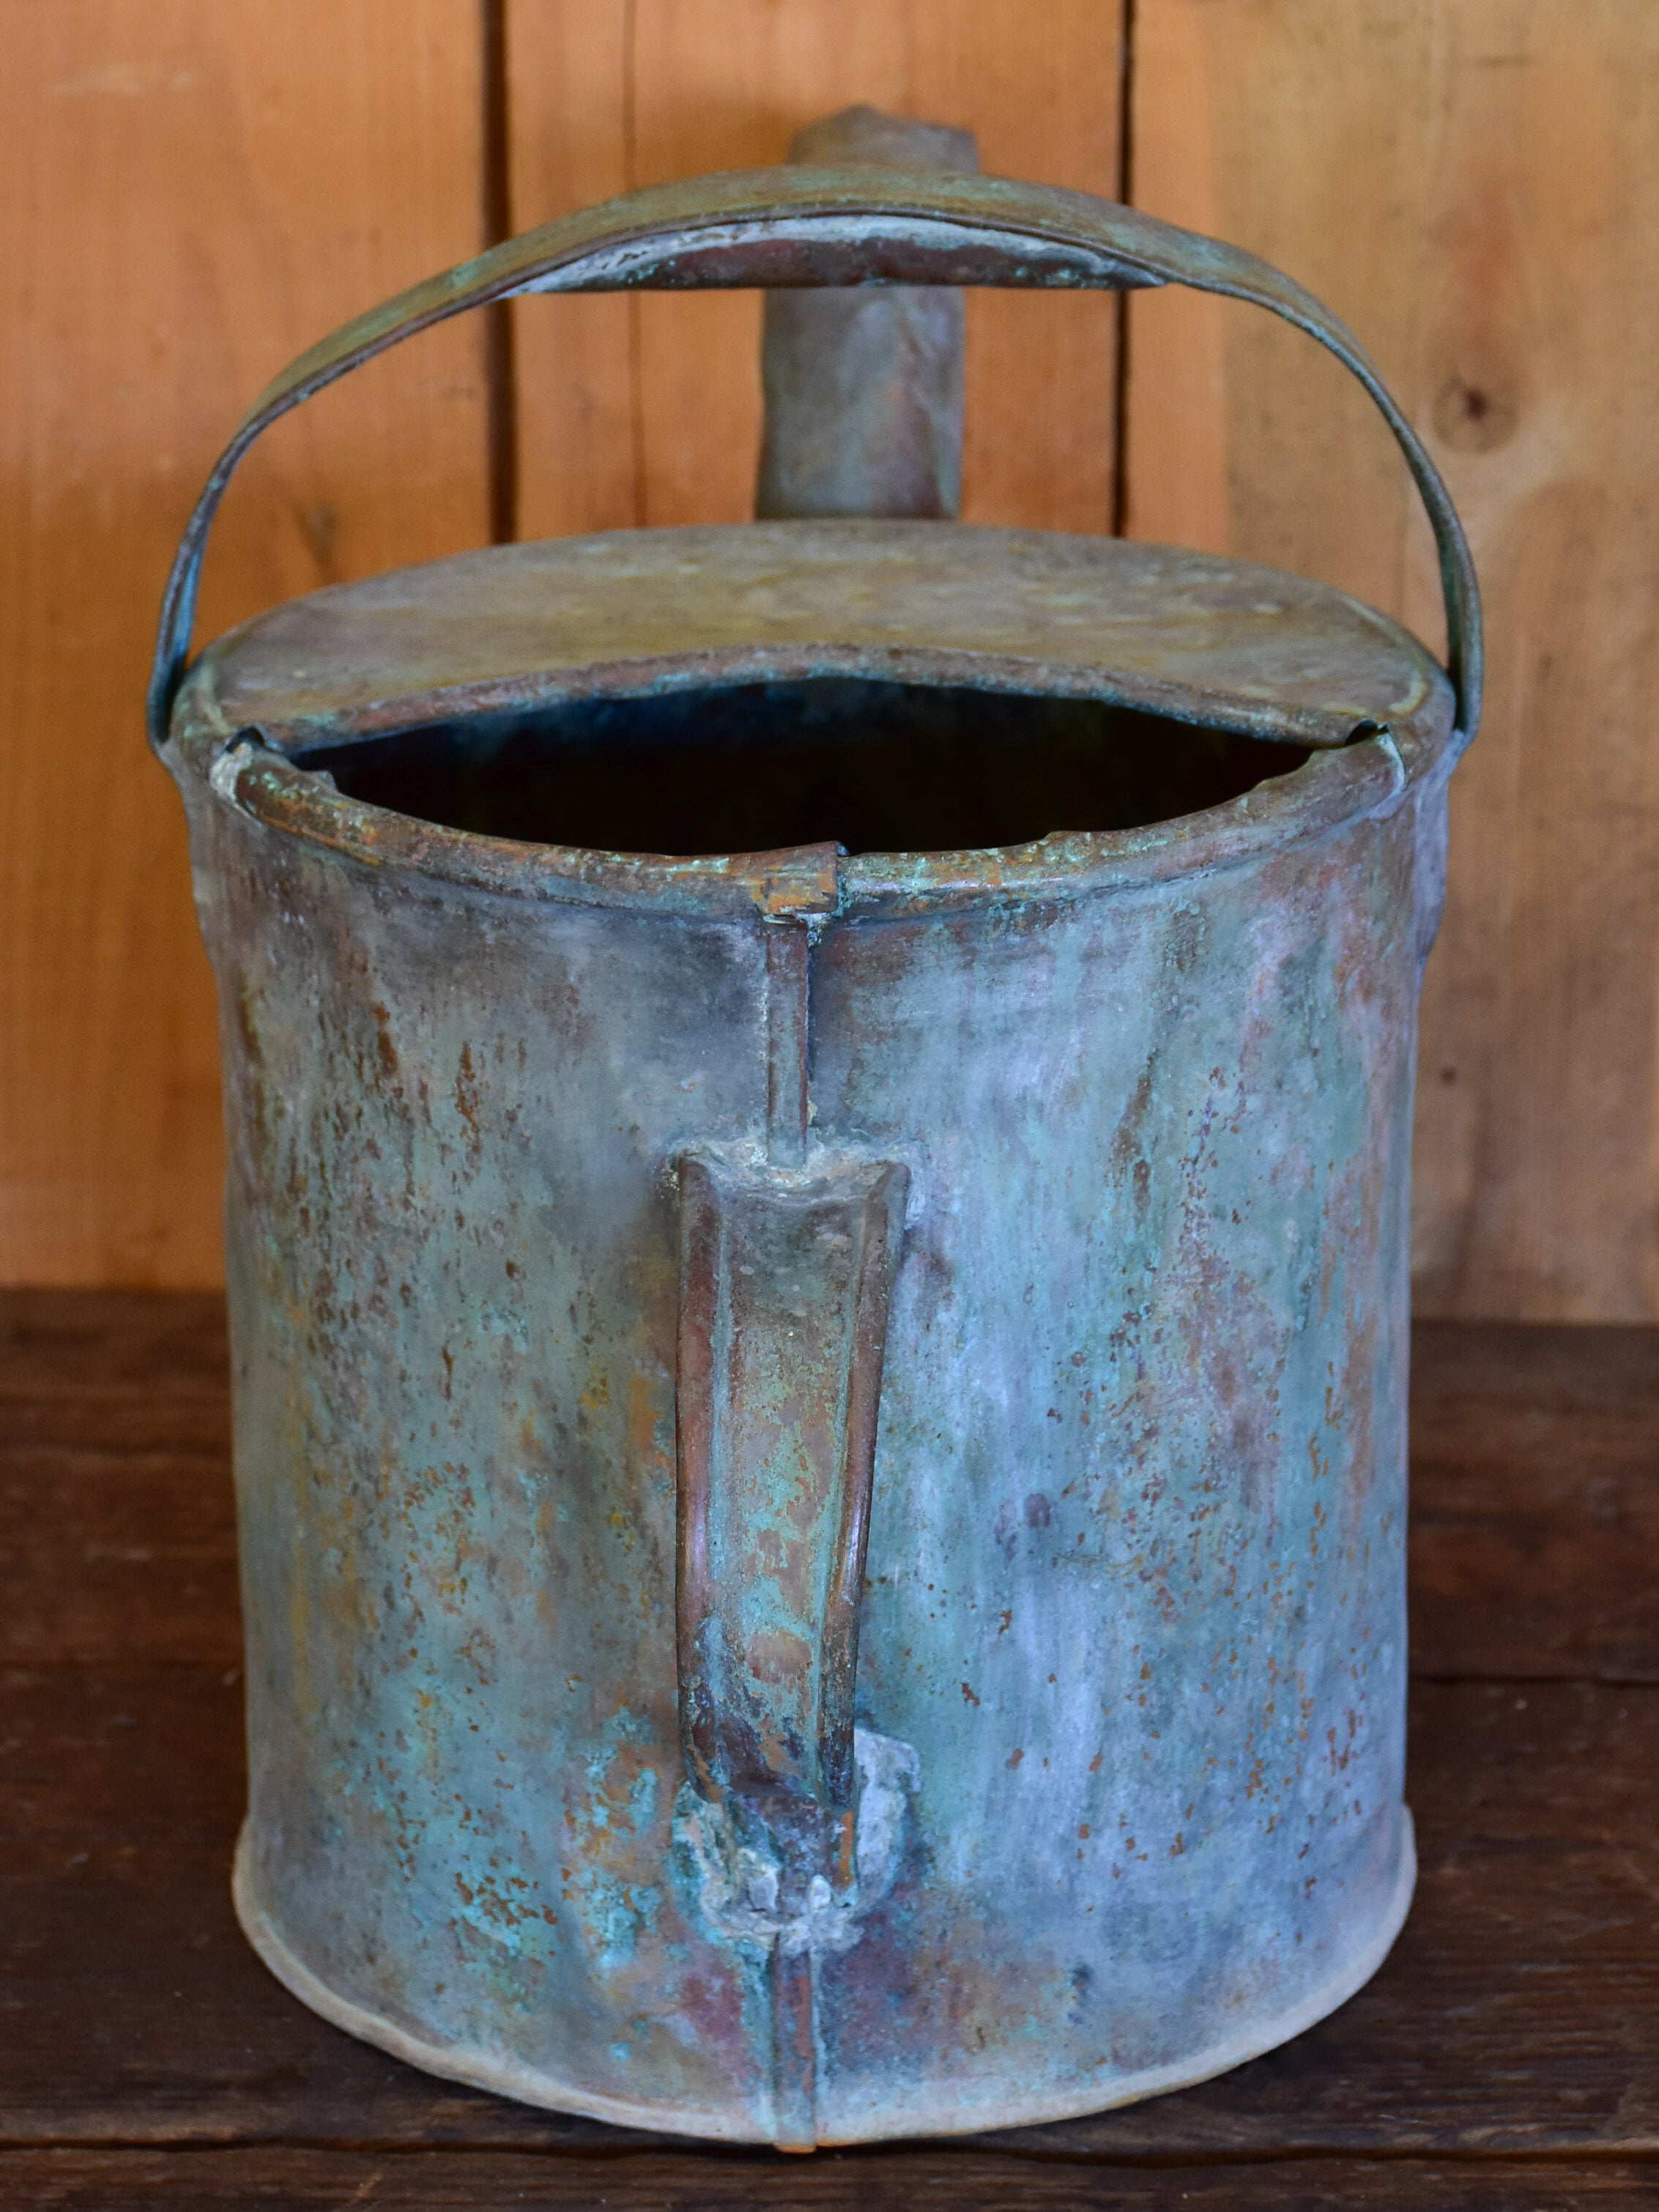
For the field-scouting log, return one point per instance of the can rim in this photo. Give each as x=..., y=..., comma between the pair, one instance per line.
x=244, y=738
x=1327, y=792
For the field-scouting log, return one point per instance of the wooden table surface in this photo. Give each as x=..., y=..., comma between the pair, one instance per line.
x=1506, y=2054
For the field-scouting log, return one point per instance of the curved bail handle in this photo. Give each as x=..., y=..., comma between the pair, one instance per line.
x=788, y=227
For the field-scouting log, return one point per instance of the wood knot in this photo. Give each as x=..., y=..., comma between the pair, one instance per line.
x=1474, y=418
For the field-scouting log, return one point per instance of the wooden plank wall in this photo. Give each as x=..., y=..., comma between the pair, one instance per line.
x=190, y=189
x=1474, y=185
x=193, y=189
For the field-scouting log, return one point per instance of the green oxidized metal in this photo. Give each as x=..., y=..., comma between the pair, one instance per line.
x=819, y=1123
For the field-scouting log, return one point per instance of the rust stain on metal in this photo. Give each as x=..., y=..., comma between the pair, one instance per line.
x=820, y=1432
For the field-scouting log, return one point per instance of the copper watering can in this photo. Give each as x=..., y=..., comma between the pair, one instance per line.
x=820, y=1121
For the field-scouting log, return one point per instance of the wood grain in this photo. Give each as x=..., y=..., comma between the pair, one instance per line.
x=1530, y=1508
x=191, y=191
x=118, y=1535
x=280, y=2178
x=649, y=409
x=569, y=143
x=1474, y=184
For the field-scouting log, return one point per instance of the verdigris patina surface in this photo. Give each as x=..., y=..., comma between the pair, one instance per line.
x=820, y=1123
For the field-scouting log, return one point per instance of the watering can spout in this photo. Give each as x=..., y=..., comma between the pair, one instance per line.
x=864, y=384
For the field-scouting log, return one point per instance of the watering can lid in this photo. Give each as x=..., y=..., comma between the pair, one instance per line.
x=1187, y=635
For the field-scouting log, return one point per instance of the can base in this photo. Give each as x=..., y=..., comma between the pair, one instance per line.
x=505, y=2078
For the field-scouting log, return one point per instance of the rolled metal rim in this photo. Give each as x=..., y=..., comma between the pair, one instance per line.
x=1332, y=788
x=504, y=2076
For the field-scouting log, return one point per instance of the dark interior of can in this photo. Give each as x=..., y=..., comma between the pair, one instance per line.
x=874, y=766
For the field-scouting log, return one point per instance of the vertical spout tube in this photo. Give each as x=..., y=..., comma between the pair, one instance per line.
x=864, y=384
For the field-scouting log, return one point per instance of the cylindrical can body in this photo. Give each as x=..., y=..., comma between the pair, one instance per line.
x=1131, y=1663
